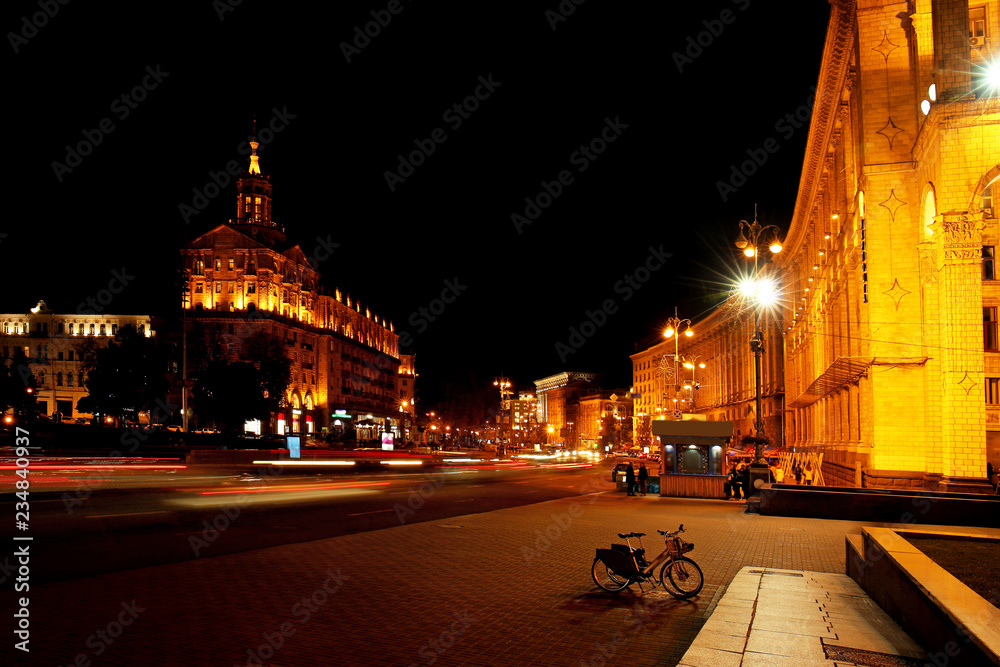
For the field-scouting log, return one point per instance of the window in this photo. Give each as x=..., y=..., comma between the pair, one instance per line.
x=59, y=378
x=69, y=380
x=59, y=328
x=990, y=329
x=198, y=288
x=989, y=265
x=69, y=355
x=231, y=264
x=103, y=331
x=251, y=288
x=232, y=287
x=977, y=25
x=218, y=287
x=992, y=391
x=199, y=268
x=91, y=329
x=218, y=265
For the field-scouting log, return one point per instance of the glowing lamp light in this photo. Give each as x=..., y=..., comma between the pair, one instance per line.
x=775, y=247
x=925, y=107
x=750, y=252
x=688, y=332
x=668, y=333
x=993, y=74
x=932, y=92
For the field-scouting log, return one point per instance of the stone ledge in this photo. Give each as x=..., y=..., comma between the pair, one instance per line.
x=923, y=598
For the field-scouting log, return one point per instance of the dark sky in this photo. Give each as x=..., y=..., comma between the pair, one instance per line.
x=685, y=90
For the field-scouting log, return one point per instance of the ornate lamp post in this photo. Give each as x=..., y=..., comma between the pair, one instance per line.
x=762, y=293
x=674, y=331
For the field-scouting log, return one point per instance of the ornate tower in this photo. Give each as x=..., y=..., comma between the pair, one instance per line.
x=253, y=202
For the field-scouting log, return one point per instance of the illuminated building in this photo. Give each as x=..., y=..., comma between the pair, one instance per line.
x=558, y=405
x=50, y=341
x=720, y=385
x=523, y=415
x=243, y=278
x=605, y=419
x=892, y=359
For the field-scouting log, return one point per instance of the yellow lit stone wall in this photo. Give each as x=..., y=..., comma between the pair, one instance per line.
x=882, y=269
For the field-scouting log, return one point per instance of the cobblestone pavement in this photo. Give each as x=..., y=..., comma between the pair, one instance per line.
x=509, y=587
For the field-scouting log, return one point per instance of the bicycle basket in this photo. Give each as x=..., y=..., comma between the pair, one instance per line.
x=678, y=547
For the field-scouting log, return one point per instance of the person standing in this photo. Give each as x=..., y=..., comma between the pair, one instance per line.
x=735, y=484
x=643, y=475
x=630, y=478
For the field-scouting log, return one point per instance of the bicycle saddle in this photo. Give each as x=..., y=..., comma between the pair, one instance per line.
x=625, y=537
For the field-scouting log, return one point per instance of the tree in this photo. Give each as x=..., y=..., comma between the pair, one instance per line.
x=18, y=386
x=267, y=354
x=125, y=377
x=230, y=392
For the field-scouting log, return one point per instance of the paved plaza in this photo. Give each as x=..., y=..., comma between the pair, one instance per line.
x=509, y=587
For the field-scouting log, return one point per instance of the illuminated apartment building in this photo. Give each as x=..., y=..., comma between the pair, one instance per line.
x=51, y=341
x=242, y=278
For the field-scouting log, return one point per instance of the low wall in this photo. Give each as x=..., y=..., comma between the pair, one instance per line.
x=853, y=504
x=955, y=626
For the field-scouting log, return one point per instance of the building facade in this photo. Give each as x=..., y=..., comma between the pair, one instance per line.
x=523, y=426
x=558, y=404
x=50, y=341
x=605, y=420
x=712, y=374
x=891, y=350
x=242, y=279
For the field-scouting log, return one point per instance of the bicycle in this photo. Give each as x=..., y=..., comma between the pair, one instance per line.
x=622, y=565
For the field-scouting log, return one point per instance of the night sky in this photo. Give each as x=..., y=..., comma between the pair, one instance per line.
x=618, y=122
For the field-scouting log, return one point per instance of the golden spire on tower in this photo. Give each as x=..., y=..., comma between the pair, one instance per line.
x=254, y=165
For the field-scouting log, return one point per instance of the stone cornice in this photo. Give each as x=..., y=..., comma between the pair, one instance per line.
x=833, y=77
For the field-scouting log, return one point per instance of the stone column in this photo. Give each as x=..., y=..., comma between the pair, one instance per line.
x=962, y=448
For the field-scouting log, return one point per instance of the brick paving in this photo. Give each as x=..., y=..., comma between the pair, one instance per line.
x=508, y=587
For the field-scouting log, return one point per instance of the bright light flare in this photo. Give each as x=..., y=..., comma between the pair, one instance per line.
x=763, y=291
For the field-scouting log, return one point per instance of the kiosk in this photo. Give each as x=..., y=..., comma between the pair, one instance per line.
x=693, y=457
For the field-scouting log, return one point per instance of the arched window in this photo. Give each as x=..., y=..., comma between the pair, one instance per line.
x=986, y=203
x=69, y=379
x=59, y=379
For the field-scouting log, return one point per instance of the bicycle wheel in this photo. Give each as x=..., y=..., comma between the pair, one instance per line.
x=607, y=579
x=685, y=578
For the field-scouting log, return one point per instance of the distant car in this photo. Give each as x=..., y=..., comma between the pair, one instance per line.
x=619, y=468
x=174, y=428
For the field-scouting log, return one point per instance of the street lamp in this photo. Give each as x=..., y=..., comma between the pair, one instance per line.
x=503, y=383
x=674, y=331
x=763, y=293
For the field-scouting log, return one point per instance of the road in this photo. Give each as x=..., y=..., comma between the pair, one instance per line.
x=108, y=530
